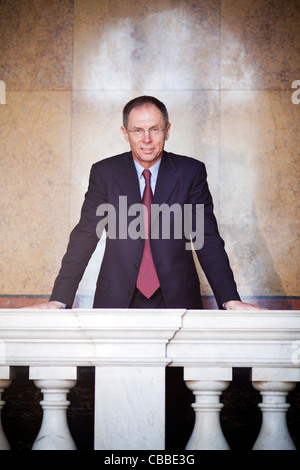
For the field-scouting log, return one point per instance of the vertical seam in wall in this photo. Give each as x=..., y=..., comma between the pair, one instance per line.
x=220, y=114
x=71, y=122
x=179, y=328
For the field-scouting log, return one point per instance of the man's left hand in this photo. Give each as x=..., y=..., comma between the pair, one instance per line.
x=239, y=305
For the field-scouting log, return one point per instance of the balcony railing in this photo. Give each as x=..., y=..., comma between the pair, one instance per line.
x=130, y=350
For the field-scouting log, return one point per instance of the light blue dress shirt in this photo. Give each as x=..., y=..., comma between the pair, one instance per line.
x=154, y=173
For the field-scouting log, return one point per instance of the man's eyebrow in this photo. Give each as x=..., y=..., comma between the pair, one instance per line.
x=152, y=127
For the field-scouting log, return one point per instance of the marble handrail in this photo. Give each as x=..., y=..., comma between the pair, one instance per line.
x=210, y=343
x=130, y=350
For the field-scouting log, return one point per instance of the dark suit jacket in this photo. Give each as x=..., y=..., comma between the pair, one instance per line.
x=180, y=180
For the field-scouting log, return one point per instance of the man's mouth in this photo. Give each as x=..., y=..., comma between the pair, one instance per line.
x=147, y=150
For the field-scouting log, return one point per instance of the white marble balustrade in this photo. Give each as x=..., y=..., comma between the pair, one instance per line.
x=130, y=350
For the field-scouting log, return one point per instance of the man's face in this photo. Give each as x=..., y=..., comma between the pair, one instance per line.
x=146, y=147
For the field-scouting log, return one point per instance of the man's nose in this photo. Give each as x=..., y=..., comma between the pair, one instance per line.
x=147, y=137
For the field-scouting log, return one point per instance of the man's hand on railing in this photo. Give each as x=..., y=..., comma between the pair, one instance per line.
x=239, y=305
x=52, y=304
x=230, y=305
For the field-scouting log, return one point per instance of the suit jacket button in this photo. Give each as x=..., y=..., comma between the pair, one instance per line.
x=130, y=292
x=136, y=266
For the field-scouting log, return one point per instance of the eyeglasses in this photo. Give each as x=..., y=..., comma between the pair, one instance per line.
x=137, y=133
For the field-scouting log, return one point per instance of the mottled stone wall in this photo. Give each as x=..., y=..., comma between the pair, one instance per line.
x=225, y=70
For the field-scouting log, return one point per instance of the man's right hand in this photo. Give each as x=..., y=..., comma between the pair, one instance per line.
x=52, y=304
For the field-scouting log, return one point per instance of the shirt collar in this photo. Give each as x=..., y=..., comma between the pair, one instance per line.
x=153, y=169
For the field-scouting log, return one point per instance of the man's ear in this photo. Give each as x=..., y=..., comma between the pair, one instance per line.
x=168, y=131
x=125, y=133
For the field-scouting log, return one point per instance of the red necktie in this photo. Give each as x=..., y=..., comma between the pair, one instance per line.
x=147, y=280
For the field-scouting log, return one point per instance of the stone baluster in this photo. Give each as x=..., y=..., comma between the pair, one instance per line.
x=274, y=386
x=207, y=384
x=55, y=383
x=4, y=383
x=130, y=408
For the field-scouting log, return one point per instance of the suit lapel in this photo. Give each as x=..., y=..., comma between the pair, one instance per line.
x=128, y=180
x=165, y=185
x=166, y=181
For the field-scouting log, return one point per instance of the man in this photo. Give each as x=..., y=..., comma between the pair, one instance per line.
x=173, y=180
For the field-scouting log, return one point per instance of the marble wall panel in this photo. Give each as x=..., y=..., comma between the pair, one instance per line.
x=260, y=190
x=34, y=178
x=127, y=45
x=36, y=44
x=260, y=44
x=96, y=134
x=195, y=55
